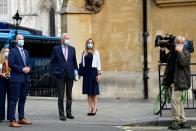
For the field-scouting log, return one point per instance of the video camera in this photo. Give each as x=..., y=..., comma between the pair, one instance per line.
x=168, y=42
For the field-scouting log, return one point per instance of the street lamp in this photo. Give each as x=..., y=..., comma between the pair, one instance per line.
x=16, y=19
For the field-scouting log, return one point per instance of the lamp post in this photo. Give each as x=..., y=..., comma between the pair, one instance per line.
x=16, y=19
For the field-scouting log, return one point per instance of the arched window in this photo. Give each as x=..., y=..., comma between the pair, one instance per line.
x=3, y=7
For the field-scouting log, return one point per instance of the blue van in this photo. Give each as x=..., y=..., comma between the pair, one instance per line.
x=40, y=48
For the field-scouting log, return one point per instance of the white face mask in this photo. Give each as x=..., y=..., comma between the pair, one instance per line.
x=67, y=42
x=21, y=43
x=90, y=45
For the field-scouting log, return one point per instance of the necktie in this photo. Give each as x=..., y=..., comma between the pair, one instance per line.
x=65, y=52
x=23, y=56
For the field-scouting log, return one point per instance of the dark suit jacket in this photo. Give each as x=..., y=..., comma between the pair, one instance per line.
x=60, y=65
x=16, y=64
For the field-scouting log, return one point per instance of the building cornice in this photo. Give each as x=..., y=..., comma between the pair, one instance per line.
x=74, y=10
x=170, y=3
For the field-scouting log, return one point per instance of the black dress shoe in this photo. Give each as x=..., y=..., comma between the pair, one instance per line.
x=93, y=114
x=70, y=116
x=62, y=118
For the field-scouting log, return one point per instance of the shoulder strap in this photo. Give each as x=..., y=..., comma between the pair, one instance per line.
x=82, y=57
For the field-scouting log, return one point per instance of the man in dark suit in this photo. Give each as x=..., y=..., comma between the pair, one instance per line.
x=63, y=62
x=19, y=63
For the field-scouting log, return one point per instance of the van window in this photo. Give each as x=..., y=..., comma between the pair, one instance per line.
x=2, y=43
x=39, y=49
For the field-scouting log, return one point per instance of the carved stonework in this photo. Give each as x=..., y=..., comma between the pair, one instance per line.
x=94, y=5
x=167, y=3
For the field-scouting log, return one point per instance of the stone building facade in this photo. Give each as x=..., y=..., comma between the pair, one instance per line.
x=117, y=30
x=37, y=14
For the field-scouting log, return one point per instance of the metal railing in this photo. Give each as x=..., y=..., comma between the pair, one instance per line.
x=190, y=102
x=42, y=82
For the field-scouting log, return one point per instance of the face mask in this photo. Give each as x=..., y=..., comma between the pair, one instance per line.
x=6, y=54
x=21, y=43
x=66, y=42
x=90, y=45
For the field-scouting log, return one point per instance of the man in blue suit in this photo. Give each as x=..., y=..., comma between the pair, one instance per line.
x=63, y=62
x=19, y=63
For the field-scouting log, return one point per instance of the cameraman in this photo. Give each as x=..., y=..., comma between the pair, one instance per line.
x=177, y=76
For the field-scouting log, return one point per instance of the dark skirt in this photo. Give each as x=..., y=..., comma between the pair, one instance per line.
x=90, y=84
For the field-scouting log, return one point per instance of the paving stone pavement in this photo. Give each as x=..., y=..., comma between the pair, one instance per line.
x=111, y=113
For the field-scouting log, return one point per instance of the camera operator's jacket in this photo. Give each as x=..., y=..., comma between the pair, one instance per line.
x=182, y=74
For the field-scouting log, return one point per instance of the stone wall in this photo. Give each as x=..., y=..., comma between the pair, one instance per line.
x=117, y=31
x=179, y=20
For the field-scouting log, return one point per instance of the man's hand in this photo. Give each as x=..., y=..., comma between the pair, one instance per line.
x=162, y=48
x=79, y=77
x=26, y=70
x=179, y=48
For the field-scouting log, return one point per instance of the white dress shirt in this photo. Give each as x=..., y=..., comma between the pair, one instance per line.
x=65, y=51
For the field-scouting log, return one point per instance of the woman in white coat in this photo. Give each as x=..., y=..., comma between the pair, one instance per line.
x=91, y=75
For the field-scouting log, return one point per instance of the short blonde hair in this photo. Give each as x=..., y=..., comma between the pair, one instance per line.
x=17, y=37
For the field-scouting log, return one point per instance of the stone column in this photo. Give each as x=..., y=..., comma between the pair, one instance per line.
x=76, y=21
x=21, y=6
x=58, y=18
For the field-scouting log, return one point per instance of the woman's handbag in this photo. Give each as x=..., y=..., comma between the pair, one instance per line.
x=81, y=68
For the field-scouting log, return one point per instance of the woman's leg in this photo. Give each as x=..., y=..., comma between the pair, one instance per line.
x=90, y=99
x=8, y=99
x=94, y=104
x=2, y=99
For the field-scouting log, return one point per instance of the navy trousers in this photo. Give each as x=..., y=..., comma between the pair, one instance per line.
x=19, y=94
x=4, y=90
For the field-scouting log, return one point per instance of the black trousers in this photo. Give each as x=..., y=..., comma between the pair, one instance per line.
x=4, y=90
x=61, y=83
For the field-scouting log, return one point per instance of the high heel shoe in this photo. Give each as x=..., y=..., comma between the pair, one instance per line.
x=90, y=114
x=93, y=114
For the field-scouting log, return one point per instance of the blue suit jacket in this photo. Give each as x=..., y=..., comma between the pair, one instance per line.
x=60, y=65
x=16, y=64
